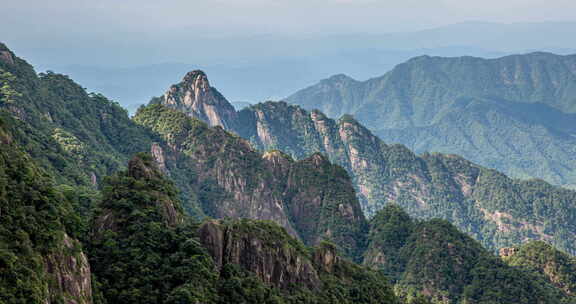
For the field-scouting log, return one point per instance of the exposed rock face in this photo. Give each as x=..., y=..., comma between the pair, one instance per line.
x=144, y=168
x=5, y=139
x=233, y=180
x=278, y=162
x=326, y=258
x=71, y=274
x=427, y=185
x=158, y=154
x=6, y=56
x=195, y=97
x=271, y=257
x=93, y=179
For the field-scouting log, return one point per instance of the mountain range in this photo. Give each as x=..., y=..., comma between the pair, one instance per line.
x=514, y=114
x=250, y=71
x=191, y=201
x=480, y=201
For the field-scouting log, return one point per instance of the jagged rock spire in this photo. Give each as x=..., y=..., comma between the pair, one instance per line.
x=195, y=97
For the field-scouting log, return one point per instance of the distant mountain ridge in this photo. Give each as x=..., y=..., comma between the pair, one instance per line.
x=515, y=113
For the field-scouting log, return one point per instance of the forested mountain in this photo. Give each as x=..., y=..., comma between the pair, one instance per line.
x=434, y=258
x=234, y=180
x=515, y=114
x=494, y=209
x=204, y=217
x=145, y=250
x=141, y=245
x=557, y=267
x=41, y=261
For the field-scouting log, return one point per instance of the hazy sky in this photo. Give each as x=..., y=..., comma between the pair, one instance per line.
x=32, y=17
x=138, y=31
x=132, y=49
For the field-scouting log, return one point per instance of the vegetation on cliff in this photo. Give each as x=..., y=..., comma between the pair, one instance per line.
x=141, y=254
x=493, y=208
x=555, y=266
x=234, y=180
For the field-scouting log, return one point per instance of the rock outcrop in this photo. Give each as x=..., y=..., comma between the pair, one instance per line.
x=160, y=197
x=233, y=180
x=159, y=157
x=5, y=55
x=262, y=249
x=195, y=97
x=70, y=273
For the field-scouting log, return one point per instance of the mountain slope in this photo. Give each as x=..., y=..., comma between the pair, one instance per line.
x=496, y=210
x=234, y=180
x=557, y=267
x=40, y=260
x=145, y=250
x=447, y=266
x=469, y=106
x=78, y=137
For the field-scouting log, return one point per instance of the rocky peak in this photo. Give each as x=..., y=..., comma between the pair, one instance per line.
x=195, y=97
x=197, y=78
x=337, y=79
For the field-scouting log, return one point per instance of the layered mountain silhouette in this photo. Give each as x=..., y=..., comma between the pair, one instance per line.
x=515, y=114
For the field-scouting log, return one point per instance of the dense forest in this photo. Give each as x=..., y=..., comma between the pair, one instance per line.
x=98, y=207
